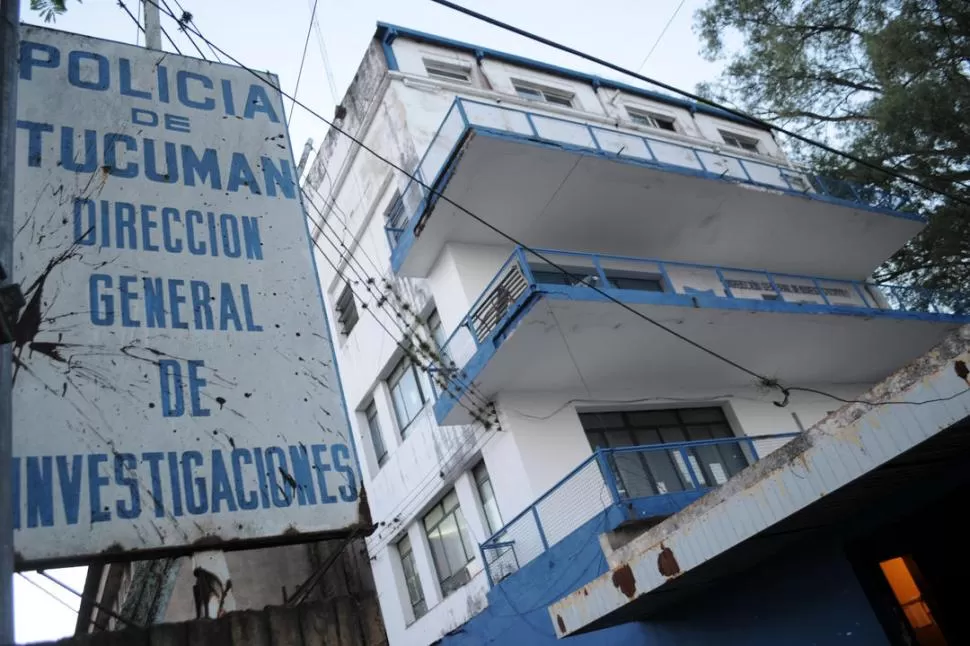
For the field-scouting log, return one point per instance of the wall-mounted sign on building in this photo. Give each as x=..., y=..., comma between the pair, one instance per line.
x=174, y=379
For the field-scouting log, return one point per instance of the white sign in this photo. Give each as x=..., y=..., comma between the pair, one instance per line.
x=174, y=379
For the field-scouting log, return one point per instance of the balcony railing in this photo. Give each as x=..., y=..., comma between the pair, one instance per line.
x=651, y=480
x=643, y=280
x=629, y=145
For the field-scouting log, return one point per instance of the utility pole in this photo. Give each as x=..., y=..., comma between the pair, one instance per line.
x=9, y=53
x=153, y=25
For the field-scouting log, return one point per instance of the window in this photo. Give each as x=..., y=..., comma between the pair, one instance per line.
x=740, y=141
x=649, y=473
x=437, y=330
x=346, y=310
x=651, y=120
x=634, y=280
x=406, y=393
x=376, y=438
x=550, y=275
x=415, y=594
x=394, y=215
x=450, y=547
x=489, y=505
x=901, y=573
x=448, y=71
x=544, y=94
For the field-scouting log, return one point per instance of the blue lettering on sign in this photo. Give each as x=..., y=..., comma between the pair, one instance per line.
x=35, y=132
x=102, y=304
x=79, y=73
x=125, y=465
x=95, y=482
x=170, y=376
x=88, y=70
x=70, y=479
x=196, y=501
x=111, y=141
x=70, y=157
x=124, y=72
x=49, y=489
x=221, y=488
x=40, y=491
x=246, y=497
x=154, y=459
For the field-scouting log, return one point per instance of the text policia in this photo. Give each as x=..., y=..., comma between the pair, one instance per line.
x=165, y=103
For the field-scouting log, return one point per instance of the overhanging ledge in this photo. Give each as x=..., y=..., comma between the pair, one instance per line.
x=841, y=449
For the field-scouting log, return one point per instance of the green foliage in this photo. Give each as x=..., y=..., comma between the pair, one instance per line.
x=49, y=10
x=888, y=80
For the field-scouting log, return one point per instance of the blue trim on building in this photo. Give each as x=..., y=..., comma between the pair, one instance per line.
x=405, y=239
x=383, y=29
x=535, y=292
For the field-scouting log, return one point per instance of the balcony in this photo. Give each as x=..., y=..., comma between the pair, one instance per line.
x=622, y=484
x=534, y=328
x=569, y=184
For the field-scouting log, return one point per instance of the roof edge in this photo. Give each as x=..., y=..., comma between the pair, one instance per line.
x=387, y=32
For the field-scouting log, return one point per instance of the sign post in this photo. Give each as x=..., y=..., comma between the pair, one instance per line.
x=9, y=38
x=175, y=388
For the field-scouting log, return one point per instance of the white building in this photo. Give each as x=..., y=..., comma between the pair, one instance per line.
x=479, y=376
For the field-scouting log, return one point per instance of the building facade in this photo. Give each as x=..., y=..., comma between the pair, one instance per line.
x=562, y=306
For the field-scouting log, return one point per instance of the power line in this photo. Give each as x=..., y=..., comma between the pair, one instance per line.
x=107, y=611
x=132, y=16
x=761, y=379
x=700, y=99
x=660, y=37
x=325, y=58
x=306, y=44
x=187, y=18
x=181, y=23
x=407, y=343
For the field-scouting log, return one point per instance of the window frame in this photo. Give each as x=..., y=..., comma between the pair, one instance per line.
x=376, y=434
x=346, y=308
x=458, y=575
x=482, y=477
x=447, y=71
x=542, y=93
x=419, y=606
x=401, y=369
x=647, y=119
x=753, y=143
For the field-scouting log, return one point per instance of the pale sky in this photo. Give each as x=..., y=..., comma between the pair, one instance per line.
x=270, y=36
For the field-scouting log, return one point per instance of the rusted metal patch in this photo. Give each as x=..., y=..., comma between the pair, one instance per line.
x=624, y=580
x=561, y=624
x=667, y=562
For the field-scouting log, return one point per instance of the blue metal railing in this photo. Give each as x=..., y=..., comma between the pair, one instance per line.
x=649, y=475
x=629, y=144
x=675, y=283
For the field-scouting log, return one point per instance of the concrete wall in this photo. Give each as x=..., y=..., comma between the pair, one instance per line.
x=397, y=113
x=340, y=622
x=802, y=597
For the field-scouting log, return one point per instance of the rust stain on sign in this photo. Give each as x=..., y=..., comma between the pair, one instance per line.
x=624, y=580
x=561, y=624
x=667, y=563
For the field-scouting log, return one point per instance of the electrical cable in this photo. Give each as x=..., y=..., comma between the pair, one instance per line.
x=699, y=99
x=306, y=44
x=761, y=379
x=325, y=57
x=165, y=33
x=380, y=300
x=187, y=18
x=660, y=37
x=107, y=611
x=50, y=594
x=405, y=344
x=181, y=24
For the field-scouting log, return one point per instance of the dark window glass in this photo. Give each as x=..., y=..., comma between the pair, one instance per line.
x=346, y=311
